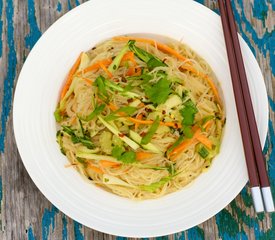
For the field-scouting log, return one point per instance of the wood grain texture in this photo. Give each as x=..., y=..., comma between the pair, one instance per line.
x=27, y=214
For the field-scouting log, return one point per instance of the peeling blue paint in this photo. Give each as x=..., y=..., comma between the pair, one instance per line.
x=200, y=1
x=162, y=238
x=9, y=79
x=78, y=235
x=264, y=43
x=30, y=234
x=59, y=7
x=48, y=220
x=260, y=10
x=35, y=32
x=121, y=238
x=1, y=28
x=179, y=236
x=64, y=229
x=69, y=5
x=271, y=162
x=195, y=233
x=271, y=103
x=77, y=2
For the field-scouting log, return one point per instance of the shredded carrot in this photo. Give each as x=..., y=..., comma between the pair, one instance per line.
x=129, y=56
x=160, y=46
x=141, y=104
x=205, y=141
x=143, y=155
x=70, y=77
x=106, y=163
x=96, y=66
x=95, y=169
x=205, y=77
x=134, y=71
x=184, y=145
x=110, y=75
x=87, y=80
x=171, y=51
x=139, y=117
x=113, y=107
x=148, y=122
x=188, y=142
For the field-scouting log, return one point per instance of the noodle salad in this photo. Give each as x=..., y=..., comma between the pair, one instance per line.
x=140, y=118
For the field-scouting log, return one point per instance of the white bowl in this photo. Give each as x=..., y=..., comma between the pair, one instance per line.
x=37, y=93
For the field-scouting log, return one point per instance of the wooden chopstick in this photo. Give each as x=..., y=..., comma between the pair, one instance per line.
x=260, y=162
x=241, y=110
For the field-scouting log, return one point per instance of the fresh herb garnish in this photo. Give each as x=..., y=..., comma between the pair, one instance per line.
x=188, y=113
x=146, y=57
x=159, y=92
x=57, y=115
x=85, y=140
x=117, y=151
x=96, y=112
x=152, y=130
x=187, y=131
x=122, y=156
x=203, y=152
x=156, y=185
x=175, y=144
x=100, y=83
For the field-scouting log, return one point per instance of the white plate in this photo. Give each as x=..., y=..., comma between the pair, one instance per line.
x=37, y=93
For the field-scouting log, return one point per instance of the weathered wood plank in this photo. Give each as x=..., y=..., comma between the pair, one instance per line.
x=27, y=214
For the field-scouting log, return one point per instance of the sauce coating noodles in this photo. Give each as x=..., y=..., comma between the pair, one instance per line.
x=139, y=118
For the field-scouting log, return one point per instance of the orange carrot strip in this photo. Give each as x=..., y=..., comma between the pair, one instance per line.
x=106, y=163
x=129, y=56
x=160, y=46
x=169, y=124
x=112, y=107
x=139, y=121
x=143, y=155
x=207, y=78
x=70, y=77
x=205, y=141
x=186, y=143
x=96, y=66
x=171, y=51
x=95, y=169
x=87, y=80
x=110, y=75
x=139, y=117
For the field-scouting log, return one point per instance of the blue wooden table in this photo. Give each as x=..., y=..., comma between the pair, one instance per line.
x=27, y=214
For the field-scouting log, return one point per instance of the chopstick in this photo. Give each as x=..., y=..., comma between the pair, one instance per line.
x=260, y=187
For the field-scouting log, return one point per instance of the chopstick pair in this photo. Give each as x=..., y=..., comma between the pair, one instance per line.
x=259, y=183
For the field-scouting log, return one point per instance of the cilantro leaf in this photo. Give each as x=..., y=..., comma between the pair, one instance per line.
x=127, y=157
x=159, y=92
x=188, y=113
x=117, y=151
